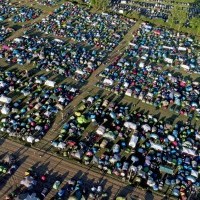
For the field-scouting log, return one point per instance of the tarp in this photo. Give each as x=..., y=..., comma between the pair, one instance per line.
x=133, y=141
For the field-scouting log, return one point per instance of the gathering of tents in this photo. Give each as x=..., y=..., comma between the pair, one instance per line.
x=159, y=148
x=44, y=98
x=139, y=73
x=74, y=42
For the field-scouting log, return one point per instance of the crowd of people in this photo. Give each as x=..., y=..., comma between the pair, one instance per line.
x=132, y=144
x=30, y=120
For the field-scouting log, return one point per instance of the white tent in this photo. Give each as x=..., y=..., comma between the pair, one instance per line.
x=108, y=81
x=30, y=139
x=58, y=40
x=146, y=127
x=61, y=145
x=189, y=151
x=167, y=47
x=123, y=2
x=90, y=99
x=101, y=130
x=182, y=49
x=5, y=110
x=5, y=99
x=186, y=67
x=133, y=141
x=18, y=40
x=129, y=92
x=157, y=147
x=130, y=125
x=78, y=71
x=50, y=83
x=168, y=60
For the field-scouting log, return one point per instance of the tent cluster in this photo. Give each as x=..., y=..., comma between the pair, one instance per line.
x=6, y=10
x=30, y=120
x=25, y=13
x=139, y=72
x=53, y=55
x=150, y=10
x=193, y=10
x=101, y=30
x=132, y=145
x=4, y=33
x=147, y=83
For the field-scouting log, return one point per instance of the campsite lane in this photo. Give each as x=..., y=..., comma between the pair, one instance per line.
x=29, y=157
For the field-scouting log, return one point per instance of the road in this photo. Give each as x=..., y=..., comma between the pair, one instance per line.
x=28, y=157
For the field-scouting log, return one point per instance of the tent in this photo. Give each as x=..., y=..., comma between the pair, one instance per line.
x=50, y=83
x=81, y=119
x=146, y=127
x=168, y=60
x=30, y=139
x=108, y=81
x=189, y=151
x=185, y=67
x=5, y=99
x=157, y=147
x=5, y=110
x=133, y=141
x=101, y=130
x=129, y=92
x=166, y=169
x=130, y=125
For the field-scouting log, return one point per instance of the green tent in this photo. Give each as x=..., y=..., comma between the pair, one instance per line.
x=166, y=169
x=82, y=119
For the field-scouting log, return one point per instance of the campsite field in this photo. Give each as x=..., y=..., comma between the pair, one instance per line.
x=41, y=154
